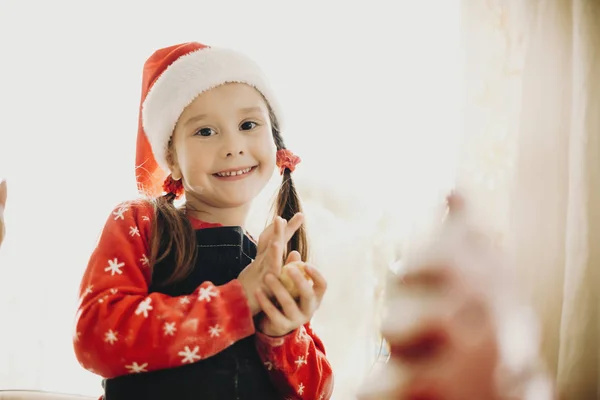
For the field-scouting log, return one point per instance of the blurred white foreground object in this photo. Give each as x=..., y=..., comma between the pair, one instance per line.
x=454, y=322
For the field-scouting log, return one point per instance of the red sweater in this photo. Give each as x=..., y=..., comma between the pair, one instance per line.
x=121, y=328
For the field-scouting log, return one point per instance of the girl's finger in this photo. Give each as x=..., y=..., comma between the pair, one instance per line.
x=277, y=318
x=292, y=226
x=319, y=283
x=273, y=257
x=309, y=301
x=278, y=229
x=281, y=229
x=286, y=301
x=269, y=234
x=278, y=237
x=272, y=249
x=293, y=256
x=273, y=232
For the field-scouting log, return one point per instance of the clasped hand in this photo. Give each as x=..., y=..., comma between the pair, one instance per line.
x=277, y=312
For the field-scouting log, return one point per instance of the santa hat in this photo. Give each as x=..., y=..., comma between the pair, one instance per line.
x=173, y=77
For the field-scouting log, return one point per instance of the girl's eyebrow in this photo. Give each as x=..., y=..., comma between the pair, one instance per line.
x=195, y=118
x=248, y=110
x=244, y=110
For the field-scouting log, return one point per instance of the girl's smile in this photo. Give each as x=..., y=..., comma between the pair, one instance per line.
x=235, y=174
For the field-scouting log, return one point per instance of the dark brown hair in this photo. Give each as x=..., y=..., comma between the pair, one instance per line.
x=173, y=237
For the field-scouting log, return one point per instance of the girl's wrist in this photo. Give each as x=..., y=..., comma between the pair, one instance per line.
x=272, y=334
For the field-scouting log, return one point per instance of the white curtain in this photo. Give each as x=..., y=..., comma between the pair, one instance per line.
x=531, y=158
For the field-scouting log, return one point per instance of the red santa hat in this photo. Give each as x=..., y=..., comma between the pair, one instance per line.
x=173, y=77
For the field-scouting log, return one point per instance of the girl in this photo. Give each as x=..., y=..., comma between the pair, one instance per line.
x=176, y=302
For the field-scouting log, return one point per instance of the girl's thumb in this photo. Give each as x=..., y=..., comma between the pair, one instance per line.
x=293, y=256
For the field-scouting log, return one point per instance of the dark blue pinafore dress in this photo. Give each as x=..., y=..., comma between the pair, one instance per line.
x=236, y=373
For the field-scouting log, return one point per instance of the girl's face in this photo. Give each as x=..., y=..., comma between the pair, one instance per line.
x=223, y=146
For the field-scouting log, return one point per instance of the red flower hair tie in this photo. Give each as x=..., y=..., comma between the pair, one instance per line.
x=287, y=160
x=170, y=185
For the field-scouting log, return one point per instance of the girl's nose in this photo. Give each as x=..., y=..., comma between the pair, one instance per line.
x=233, y=143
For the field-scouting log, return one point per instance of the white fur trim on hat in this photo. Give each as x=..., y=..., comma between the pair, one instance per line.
x=188, y=77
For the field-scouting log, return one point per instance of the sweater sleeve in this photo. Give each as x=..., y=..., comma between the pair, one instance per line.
x=121, y=328
x=297, y=364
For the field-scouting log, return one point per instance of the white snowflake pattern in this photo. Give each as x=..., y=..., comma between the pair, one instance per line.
x=169, y=328
x=322, y=396
x=207, y=293
x=144, y=307
x=114, y=291
x=215, y=331
x=144, y=260
x=300, y=361
x=114, y=267
x=119, y=214
x=184, y=300
x=189, y=356
x=136, y=368
x=145, y=218
x=111, y=336
x=134, y=231
x=88, y=290
x=300, y=388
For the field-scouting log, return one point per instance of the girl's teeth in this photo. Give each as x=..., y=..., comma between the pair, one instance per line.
x=234, y=173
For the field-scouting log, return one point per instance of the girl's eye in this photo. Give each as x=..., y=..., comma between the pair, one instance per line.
x=248, y=125
x=205, y=132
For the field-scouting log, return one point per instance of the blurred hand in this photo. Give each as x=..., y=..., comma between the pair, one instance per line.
x=442, y=326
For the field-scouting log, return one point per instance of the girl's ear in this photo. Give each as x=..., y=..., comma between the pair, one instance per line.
x=173, y=165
